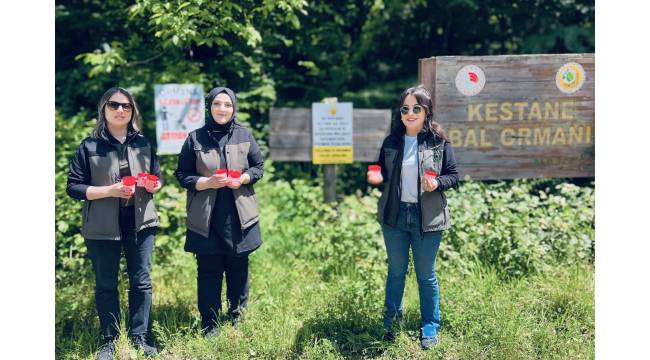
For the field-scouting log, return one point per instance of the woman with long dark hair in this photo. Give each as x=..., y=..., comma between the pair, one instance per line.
x=118, y=216
x=417, y=166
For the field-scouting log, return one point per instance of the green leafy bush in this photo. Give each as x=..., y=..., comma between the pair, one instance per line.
x=70, y=248
x=509, y=226
x=518, y=229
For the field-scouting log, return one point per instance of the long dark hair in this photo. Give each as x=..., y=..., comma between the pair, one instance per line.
x=423, y=97
x=100, y=125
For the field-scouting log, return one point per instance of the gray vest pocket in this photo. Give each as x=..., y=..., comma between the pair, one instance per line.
x=246, y=202
x=199, y=210
x=435, y=215
x=101, y=219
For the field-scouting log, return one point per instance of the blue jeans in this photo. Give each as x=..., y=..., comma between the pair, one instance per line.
x=105, y=256
x=425, y=247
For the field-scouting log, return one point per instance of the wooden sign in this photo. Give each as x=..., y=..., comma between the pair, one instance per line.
x=290, y=137
x=516, y=116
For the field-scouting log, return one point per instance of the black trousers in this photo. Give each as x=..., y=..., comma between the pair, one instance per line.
x=209, y=282
x=105, y=256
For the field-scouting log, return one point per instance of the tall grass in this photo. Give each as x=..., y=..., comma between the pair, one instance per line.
x=294, y=313
x=516, y=277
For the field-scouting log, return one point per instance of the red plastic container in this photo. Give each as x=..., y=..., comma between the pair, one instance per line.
x=234, y=176
x=374, y=168
x=431, y=173
x=221, y=172
x=129, y=182
x=141, y=178
x=152, y=180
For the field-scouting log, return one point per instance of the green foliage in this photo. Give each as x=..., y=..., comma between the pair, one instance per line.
x=308, y=50
x=512, y=227
x=518, y=229
x=184, y=23
x=151, y=42
x=70, y=247
x=341, y=239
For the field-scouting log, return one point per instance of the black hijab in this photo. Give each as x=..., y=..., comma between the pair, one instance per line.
x=211, y=124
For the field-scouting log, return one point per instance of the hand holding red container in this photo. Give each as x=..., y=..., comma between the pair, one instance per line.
x=140, y=179
x=221, y=173
x=431, y=173
x=430, y=183
x=374, y=174
x=235, y=179
x=129, y=184
x=151, y=182
x=219, y=179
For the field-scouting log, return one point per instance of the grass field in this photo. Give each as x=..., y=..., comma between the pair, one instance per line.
x=294, y=313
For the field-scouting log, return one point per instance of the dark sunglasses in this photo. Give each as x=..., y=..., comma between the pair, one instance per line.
x=114, y=105
x=405, y=109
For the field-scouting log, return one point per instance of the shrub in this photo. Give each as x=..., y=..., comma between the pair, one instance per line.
x=510, y=226
x=70, y=248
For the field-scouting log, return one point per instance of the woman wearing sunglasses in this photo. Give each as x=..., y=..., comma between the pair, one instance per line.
x=417, y=166
x=118, y=217
x=218, y=165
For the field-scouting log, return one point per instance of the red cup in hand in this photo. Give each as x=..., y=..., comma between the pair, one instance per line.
x=152, y=181
x=234, y=175
x=374, y=174
x=129, y=182
x=142, y=177
x=431, y=173
x=221, y=173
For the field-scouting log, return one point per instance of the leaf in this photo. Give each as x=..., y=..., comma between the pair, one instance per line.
x=183, y=5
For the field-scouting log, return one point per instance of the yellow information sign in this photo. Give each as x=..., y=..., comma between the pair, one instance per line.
x=332, y=155
x=332, y=133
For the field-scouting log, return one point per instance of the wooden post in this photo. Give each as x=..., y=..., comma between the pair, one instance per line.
x=329, y=184
x=329, y=170
x=427, y=74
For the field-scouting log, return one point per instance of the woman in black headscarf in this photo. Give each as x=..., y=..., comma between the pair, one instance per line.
x=222, y=214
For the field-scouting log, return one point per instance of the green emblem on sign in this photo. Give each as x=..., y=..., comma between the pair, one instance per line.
x=568, y=76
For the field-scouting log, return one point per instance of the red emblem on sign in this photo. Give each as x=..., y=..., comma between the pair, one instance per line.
x=193, y=115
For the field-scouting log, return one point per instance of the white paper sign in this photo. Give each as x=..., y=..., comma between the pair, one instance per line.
x=180, y=108
x=332, y=133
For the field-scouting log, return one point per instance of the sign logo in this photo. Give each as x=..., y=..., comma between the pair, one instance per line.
x=193, y=115
x=570, y=77
x=470, y=80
